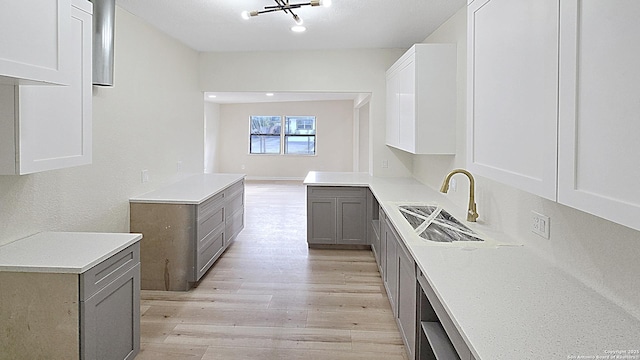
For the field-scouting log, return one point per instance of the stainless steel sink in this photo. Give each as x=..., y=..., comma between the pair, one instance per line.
x=435, y=224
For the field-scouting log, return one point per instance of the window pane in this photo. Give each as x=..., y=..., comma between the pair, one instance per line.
x=300, y=125
x=300, y=144
x=265, y=144
x=266, y=125
x=265, y=135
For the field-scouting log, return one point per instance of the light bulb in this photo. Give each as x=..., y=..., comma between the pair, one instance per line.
x=245, y=15
x=297, y=19
x=325, y=3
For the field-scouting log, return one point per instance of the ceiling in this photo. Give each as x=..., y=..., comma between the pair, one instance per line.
x=216, y=25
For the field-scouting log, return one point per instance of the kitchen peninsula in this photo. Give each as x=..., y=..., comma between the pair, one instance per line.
x=502, y=300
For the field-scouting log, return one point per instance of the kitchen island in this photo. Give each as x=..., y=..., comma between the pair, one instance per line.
x=187, y=225
x=502, y=300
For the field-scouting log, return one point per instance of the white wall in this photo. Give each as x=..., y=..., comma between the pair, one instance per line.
x=602, y=254
x=361, y=71
x=363, y=138
x=334, y=139
x=151, y=119
x=211, y=136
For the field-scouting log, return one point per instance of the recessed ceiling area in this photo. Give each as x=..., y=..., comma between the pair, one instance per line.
x=260, y=97
x=215, y=25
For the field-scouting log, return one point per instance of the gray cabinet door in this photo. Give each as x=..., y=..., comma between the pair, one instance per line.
x=110, y=320
x=407, y=299
x=321, y=220
x=351, y=221
x=391, y=278
x=383, y=246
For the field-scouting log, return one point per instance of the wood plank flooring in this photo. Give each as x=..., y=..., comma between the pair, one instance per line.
x=270, y=297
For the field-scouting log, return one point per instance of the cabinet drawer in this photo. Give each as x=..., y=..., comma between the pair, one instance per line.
x=207, y=224
x=234, y=225
x=210, y=205
x=101, y=275
x=205, y=240
x=234, y=189
x=336, y=191
x=234, y=204
x=213, y=246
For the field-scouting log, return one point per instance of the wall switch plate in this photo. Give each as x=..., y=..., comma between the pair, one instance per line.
x=145, y=176
x=385, y=164
x=179, y=166
x=540, y=224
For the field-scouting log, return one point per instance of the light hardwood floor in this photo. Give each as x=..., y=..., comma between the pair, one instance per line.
x=270, y=297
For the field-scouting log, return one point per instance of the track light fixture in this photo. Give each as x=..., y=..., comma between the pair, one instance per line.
x=284, y=5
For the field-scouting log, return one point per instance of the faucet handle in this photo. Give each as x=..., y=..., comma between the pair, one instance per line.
x=472, y=214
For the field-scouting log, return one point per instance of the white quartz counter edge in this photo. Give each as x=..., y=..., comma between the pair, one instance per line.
x=62, y=252
x=506, y=302
x=193, y=190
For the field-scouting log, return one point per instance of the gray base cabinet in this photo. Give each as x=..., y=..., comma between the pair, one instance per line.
x=182, y=241
x=88, y=316
x=110, y=308
x=407, y=299
x=336, y=215
x=398, y=271
x=373, y=228
x=347, y=215
x=390, y=277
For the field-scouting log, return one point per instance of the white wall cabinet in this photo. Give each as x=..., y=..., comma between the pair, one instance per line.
x=33, y=41
x=512, y=92
x=557, y=91
x=599, y=106
x=49, y=127
x=421, y=100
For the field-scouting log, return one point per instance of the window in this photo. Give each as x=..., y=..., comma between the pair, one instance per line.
x=298, y=137
x=265, y=135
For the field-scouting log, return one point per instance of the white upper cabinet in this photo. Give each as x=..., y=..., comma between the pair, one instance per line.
x=33, y=41
x=512, y=92
x=393, y=111
x=46, y=127
x=421, y=100
x=554, y=85
x=599, y=171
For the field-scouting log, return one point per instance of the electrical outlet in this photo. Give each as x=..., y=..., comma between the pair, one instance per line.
x=453, y=185
x=385, y=164
x=242, y=167
x=179, y=166
x=540, y=224
x=145, y=176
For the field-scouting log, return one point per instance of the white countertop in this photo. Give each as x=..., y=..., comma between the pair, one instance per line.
x=507, y=302
x=193, y=190
x=62, y=252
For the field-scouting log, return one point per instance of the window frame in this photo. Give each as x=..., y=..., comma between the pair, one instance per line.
x=252, y=134
x=283, y=135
